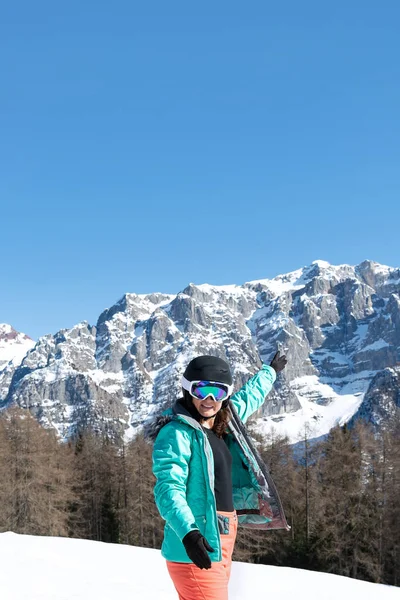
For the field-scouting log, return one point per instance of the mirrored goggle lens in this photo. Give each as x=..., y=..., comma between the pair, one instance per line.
x=203, y=389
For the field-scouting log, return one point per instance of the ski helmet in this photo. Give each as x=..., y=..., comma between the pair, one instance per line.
x=205, y=368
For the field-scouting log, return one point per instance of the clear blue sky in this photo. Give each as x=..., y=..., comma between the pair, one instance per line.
x=145, y=145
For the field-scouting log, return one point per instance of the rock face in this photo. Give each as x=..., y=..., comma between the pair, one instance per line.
x=338, y=325
x=13, y=348
x=382, y=400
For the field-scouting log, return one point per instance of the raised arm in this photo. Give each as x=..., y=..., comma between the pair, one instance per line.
x=252, y=395
x=171, y=455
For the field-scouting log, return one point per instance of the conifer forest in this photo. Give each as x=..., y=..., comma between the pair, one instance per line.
x=340, y=495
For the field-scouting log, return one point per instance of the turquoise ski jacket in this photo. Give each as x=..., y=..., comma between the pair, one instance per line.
x=183, y=465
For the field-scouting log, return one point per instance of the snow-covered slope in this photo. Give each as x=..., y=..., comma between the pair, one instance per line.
x=338, y=325
x=45, y=568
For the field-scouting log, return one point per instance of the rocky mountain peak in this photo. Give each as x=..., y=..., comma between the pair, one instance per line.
x=13, y=345
x=7, y=332
x=339, y=326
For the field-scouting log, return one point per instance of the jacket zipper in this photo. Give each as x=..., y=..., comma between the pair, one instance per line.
x=207, y=450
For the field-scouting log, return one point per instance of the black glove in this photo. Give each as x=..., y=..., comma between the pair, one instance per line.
x=196, y=547
x=278, y=363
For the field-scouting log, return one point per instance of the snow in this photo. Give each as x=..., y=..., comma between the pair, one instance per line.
x=376, y=345
x=318, y=419
x=13, y=345
x=298, y=279
x=393, y=282
x=229, y=289
x=108, y=381
x=283, y=283
x=381, y=269
x=50, y=568
x=321, y=263
x=360, y=334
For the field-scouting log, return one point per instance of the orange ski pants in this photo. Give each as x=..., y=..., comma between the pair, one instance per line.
x=193, y=583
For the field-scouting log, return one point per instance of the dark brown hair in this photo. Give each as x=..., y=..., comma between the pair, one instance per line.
x=222, y=419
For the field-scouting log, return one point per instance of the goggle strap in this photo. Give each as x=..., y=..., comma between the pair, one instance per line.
x=186, y=384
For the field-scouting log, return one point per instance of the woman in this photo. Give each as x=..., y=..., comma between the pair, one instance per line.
x=209, y=476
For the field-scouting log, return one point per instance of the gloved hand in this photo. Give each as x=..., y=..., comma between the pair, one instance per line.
x=278, y=363
x=196, y=547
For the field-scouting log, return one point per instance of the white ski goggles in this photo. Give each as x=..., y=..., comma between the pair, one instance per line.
x=203, y=389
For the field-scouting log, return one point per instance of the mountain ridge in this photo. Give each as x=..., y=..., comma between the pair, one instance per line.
x=339, y=325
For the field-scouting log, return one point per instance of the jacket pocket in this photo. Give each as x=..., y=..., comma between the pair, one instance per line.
x=223, y=524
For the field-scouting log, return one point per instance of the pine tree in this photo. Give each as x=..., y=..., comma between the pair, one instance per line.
x=140, y=521
x=345, y=543
x=36, y=475
x=96, y=482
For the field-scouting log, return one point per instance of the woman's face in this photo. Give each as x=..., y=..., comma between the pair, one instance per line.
x=207, y=407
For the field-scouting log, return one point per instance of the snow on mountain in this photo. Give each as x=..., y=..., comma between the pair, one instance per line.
x=338, y=325
x=313, y=419
x=13, y=345
x=65, y=569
